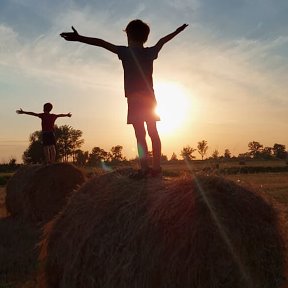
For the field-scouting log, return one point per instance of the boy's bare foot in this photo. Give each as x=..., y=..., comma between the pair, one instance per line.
x=144, y=174
x=140, y=174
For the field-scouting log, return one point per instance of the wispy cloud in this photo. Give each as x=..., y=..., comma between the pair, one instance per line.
x=232, y=55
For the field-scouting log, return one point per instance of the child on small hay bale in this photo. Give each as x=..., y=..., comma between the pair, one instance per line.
x=137, y=63
x=190, y=232
x=48, y=137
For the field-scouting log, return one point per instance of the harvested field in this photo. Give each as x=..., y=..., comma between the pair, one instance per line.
x=187, y=232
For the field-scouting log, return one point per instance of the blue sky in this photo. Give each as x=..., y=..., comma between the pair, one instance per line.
x=231, y=61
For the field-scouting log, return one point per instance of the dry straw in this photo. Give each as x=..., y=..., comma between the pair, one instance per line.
x=18, y=250
x=15, y=196
x=43, y=190
x=191, y=232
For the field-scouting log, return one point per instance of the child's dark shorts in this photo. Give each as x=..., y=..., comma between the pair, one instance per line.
x=48, y=138
x=141, y=110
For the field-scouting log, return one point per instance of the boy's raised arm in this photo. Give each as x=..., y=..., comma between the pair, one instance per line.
x=74, y=36
x=170, y=36
x=20, y=111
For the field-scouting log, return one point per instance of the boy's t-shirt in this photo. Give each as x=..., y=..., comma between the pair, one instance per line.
x=138, y=69
x=48, y=121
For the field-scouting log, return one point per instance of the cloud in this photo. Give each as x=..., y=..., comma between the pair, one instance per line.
x=48, y=56
x=183, y=5
x=209, y=56
x=8, y=40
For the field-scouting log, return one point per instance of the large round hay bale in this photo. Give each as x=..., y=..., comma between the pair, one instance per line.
x=16, y=185
x=45, y=191
x=18, y=251
x=191, y=232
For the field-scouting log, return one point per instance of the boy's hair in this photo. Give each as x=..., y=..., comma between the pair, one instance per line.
x=137, y=31
x=47, y=107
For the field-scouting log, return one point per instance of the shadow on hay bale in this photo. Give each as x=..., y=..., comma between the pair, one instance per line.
x=43, y=190
x=190, y=232
x=18, y=250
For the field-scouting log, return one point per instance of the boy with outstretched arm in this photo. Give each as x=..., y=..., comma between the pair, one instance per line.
x=48, y=137
x=137, y=62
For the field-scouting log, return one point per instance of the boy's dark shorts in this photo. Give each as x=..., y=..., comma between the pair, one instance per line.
x=142, y=109
x=48, y=138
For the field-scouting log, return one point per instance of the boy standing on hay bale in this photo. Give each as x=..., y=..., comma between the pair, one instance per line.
x=137, y=62
x=48, y=136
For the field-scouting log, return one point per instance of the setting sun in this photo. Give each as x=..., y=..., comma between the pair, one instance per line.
x=173, y=105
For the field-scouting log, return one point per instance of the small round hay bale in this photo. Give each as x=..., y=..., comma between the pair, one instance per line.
x=18, y=250
x=48, y=190
x=15, y=196
x=190, y=232
x=38, y=192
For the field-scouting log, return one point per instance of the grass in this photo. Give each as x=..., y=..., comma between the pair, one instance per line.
x=274, y=184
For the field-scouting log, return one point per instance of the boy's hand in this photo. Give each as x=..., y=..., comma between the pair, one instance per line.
x=70, y=36
x=69, y=114
x=20, y=111
x=181, y=28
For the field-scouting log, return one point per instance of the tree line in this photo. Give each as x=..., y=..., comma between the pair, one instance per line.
x=255, y=151
x=70, y=141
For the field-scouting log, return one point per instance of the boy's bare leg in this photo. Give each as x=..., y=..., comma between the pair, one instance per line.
x=140, y=134
x=46, y=154
x=156, y=144
x=52, y=153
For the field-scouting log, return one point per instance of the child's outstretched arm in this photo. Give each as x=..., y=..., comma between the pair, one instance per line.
x=20, y=111
x=170, y=36
x=64, y=115
x=74, y=36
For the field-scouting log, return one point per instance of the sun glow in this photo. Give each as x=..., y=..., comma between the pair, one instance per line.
x=173, y=104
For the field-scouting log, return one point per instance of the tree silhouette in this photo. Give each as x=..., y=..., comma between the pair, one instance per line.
x=215, y=154
x=67, y=142
x=186, y=153
x=164, y=158
x=266, y=153
x=174, y=157
x=34, y=153
x=227, y=154
x=116, y=155
x=97, y=156
x=255, y=149
x=81, y=157
x=202, y=148
x=279, y=151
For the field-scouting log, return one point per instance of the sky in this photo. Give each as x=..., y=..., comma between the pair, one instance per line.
x=223, y=79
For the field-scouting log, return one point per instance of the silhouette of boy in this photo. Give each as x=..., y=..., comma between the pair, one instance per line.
x=48, y=136
x=137, y=62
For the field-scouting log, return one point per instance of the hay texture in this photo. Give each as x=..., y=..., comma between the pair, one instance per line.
x=18, y=250
x=43, y=190
x=15, y=196
x=204, y=232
